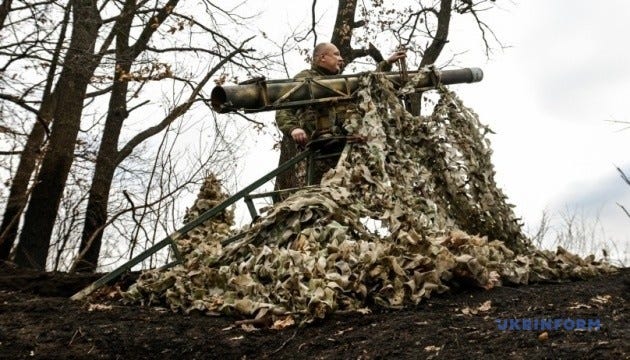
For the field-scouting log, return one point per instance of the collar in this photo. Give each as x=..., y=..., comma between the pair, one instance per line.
x=323, y=71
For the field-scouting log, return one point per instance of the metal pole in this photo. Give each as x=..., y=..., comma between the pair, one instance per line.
x=191, y=225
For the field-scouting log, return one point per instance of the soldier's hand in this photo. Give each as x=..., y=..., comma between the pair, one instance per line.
x=299, y=136
x=400, y=54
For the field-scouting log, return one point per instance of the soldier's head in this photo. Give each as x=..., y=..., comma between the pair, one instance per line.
x=327, y=56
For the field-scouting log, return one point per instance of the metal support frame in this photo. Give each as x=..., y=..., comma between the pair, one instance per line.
x=170, y=240
x=316, y=155
x=250, y=203
x=312, y=158
x=310, y=153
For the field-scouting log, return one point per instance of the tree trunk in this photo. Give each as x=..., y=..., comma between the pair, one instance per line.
x=108, y=156
x=32, y=249
x=440, y=39
x=106, y=163
x=290, y=178
x=5, y=8
x=96, y=212
x=342, y=32
x=18, y=192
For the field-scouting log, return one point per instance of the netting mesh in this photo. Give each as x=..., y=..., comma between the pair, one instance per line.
x=405, y=213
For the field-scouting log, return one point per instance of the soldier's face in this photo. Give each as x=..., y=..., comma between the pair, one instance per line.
x=331, y=59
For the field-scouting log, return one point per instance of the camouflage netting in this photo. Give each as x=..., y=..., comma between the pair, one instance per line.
x=429, y=182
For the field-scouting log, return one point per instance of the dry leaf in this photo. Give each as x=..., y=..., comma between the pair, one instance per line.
x=579, y=306
x=432, y=348
x=99, y=307
x=487, y=305
x=283, y=323
x=601, y=299
x=248, y=327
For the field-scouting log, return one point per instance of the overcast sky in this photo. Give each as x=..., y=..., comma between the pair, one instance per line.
x=549, y=96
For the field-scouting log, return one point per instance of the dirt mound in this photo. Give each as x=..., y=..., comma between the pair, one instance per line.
x=460, y=325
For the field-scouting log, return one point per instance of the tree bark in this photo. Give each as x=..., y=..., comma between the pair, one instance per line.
x=109, y=157
x=342, y=32
x=288, y=179
x=19, y=185
x=5, y=8
x=106, y=160
x=440, y=39
x=18, y=193
x=80, y=62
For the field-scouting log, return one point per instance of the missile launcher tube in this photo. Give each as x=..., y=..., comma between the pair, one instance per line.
x=264, y=95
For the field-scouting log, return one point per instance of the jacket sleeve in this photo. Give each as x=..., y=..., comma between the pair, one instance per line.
x=383, y=66
x=287, y=119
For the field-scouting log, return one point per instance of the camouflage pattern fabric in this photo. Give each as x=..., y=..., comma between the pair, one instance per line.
x=400, y=218
x=290, y=119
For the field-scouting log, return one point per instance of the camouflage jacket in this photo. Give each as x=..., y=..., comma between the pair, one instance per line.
x=291, y=119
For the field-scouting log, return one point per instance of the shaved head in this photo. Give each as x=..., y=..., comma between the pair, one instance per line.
x=327, y=56
x=320, y=49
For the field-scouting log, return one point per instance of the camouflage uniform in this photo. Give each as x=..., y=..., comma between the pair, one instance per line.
x=318, y=120
x=306, y=118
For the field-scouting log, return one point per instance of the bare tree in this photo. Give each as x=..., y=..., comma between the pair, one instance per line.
x=422, y=27
x=109, y=156
x=32, y=149
x=112, y=51
x=79, y=65
x=119, y=50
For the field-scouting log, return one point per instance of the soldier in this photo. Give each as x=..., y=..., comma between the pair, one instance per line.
x=310, y=122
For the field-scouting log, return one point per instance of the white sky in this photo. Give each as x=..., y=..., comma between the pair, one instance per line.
x=547, y=96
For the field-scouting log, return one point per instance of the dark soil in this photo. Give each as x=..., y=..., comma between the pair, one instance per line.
x=37, y=320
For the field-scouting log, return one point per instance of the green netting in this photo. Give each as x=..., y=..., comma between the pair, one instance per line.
x=404, y=214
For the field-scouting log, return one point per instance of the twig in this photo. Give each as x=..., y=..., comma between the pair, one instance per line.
x=77, y=332
x=623, y=175
x=258, y=123
x=285, y=343
x=139, y=105
x=624, y=209
x=264, y=321
x=313, y=23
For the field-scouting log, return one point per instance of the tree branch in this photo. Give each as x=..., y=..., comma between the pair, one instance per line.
x=183, y=49
x=623, y=175
x=178, y=110
x=624, y=209
x=5, y=7
x=19, y=102
x=313, y=23
x=151, y=27
x=441, y=35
